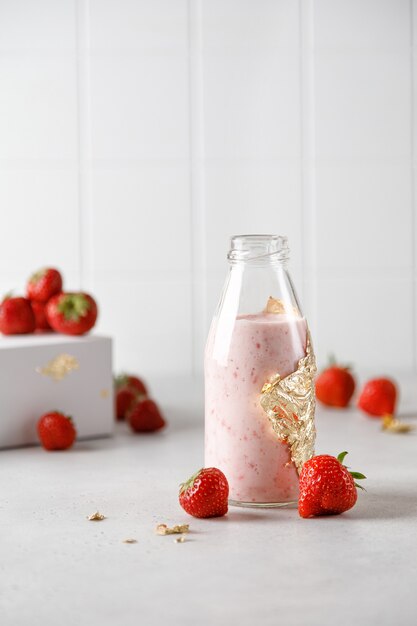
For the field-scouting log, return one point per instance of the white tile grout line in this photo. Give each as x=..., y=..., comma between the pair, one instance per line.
x=413, y=155
x=84, y=144
x=308, y=177
x=197, y=185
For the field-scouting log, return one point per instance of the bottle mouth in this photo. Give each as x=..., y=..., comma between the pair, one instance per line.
x=258, y=249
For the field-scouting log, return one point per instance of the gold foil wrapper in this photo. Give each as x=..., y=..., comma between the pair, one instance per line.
x=59, y=367
x=290, y=403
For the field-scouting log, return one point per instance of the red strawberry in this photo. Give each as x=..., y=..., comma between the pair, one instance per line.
x=44, y=284
x=56, y=431
x=38, y=309
x=71, y=313
x=125, y=397
x=327, y=487
x=205, y=494
x=135, y=383
x=145, y=417
x=16, y=316
x=378, y=397
x=335, y=386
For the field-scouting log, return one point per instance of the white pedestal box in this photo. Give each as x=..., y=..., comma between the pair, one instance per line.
x=41, y=373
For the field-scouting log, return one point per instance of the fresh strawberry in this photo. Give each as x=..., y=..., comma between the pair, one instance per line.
x=125, y=397
x=205, y=494
x=38, y=308
x=335, y=386
x=44, y=284
x=144, y=417
x=71, y=313
x=56, y=431
x=327, y=487
x=16, y=316
x=378, y=397
x=128, y=380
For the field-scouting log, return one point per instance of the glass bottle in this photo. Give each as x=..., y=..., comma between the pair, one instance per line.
x=259, y=371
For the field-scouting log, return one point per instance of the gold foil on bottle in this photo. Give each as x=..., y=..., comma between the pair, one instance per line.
x=289, y=403
x=59, y=367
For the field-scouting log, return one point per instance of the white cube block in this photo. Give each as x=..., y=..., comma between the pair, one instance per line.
x=41, y=373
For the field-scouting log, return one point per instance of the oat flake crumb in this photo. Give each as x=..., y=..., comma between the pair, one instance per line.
x=96, y=517
x=179, y=529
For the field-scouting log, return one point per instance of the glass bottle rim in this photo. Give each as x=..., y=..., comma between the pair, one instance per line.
x=258, y=249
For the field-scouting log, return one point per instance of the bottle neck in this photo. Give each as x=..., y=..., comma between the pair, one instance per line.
x=259, y=250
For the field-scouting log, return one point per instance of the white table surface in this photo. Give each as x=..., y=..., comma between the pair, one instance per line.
x=250, y=567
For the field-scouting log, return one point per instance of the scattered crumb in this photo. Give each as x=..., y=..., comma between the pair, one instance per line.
x=163, y=529
x=129, y=540
x=394, y=425
x=180, y=539
x=96, y=517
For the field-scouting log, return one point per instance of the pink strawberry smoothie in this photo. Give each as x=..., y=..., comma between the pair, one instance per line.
x=239, y=437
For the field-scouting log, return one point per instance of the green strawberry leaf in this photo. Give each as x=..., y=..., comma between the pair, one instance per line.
x=341, y=457
x=359, y=486
x=357, y=475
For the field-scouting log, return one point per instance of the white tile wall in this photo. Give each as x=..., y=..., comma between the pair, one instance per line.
x=37, y=107
x=136, y=136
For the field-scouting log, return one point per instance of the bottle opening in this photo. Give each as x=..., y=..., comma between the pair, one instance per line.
x=258, y=248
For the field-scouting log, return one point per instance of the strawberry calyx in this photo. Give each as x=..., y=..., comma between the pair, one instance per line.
x=332, y=362
x=7, y=296
x=122, y=380
x=69, y=417
x=190, y=482
x=35, y=278
x=73, y=306
x=355, y=475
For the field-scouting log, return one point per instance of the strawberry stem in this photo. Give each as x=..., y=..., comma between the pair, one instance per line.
x=331, y=359
x=332, y=362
